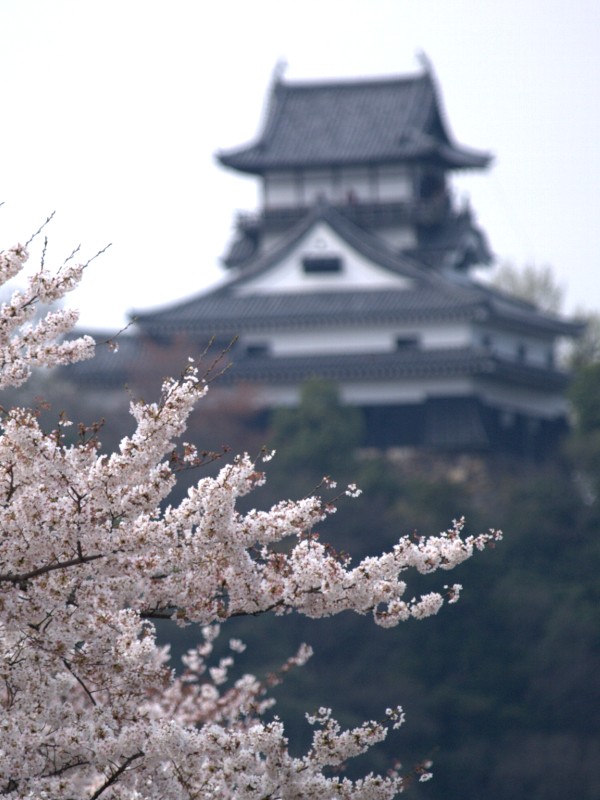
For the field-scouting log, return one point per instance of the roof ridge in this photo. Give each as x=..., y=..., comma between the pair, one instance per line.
x=349, y=81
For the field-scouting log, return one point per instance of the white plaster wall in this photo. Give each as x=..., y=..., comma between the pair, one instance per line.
x=331, y=342
x=394, y=184
x=280, y=190
x=506, y=344
x=397, y=392
x=405, y=390
x=368, y=340
x=399, y=238
x=457, y=334
x=541, y=404
x=381, y=184
x=520, y=399
x=358, y=183
x=350, y=339
x=318, y=184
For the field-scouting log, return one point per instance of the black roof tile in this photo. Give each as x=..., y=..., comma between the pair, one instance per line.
x=431, y=295
x=386, y=120
x=397, y=365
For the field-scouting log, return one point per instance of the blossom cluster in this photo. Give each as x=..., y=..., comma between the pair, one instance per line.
x=92, y=553
x=22, y=344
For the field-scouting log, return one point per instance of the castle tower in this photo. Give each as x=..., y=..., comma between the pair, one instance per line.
x=378, y=151
x=357, y=269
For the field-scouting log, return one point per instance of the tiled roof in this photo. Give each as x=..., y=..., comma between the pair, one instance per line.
x=517, y=315
x=400, y=364
x=224, y=314
x=218, y=313
x=115, y=370
x=432, y=296
x=388, y=120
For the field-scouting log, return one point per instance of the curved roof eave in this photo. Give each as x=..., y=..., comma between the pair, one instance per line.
x=519, y=314
x=349, y=122
x=255, y=161
x=419, y=364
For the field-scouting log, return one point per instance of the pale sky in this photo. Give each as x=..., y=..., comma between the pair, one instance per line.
x=113, y=111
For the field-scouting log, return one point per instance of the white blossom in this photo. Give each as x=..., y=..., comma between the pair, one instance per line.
x=352, y=490
x=91, y=555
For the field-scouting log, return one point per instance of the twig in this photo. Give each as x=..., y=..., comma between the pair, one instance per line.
x=40, y=229
x=115, y=775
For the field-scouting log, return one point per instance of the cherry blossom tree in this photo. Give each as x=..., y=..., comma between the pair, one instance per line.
x=91, y=553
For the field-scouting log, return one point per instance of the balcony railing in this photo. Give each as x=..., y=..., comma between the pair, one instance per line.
x=367, y=215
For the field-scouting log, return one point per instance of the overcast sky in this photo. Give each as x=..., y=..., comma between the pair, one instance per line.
x=113, y=111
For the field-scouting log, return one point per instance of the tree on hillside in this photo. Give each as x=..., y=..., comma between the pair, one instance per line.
x=533, y=283
x=584, y=444
x=92, y=555
x=320, y=435
x=585, y=350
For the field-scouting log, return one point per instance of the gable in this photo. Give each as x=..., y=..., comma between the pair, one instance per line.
x=321, y=261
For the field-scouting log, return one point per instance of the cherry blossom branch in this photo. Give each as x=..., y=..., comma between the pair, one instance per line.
x=21, y=579
x=79, y=681
x=198, y=560
x=114, y=777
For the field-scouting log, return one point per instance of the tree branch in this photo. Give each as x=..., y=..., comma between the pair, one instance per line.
x=21, y=579
x=115, y=775
x=79, y=681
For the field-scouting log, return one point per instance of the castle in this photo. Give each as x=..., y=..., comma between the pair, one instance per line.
x=357, y=269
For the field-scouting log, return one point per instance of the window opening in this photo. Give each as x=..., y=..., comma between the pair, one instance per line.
x=321, y=265
x=406, y=342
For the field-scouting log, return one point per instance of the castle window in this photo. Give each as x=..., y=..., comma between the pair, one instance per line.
x=313, y=265
x=406, y=342
x=432, y=184
x=257, y=350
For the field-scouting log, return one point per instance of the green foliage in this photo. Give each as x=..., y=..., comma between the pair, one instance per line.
x=583, y=446
x=585, y=397
x=533, y=283
x=502, y=690
x=320, y=436
x=585, y=350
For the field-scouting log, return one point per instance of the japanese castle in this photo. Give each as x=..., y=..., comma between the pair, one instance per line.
x=357, y=269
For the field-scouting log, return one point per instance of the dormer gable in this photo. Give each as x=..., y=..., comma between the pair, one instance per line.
x=322, y=260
